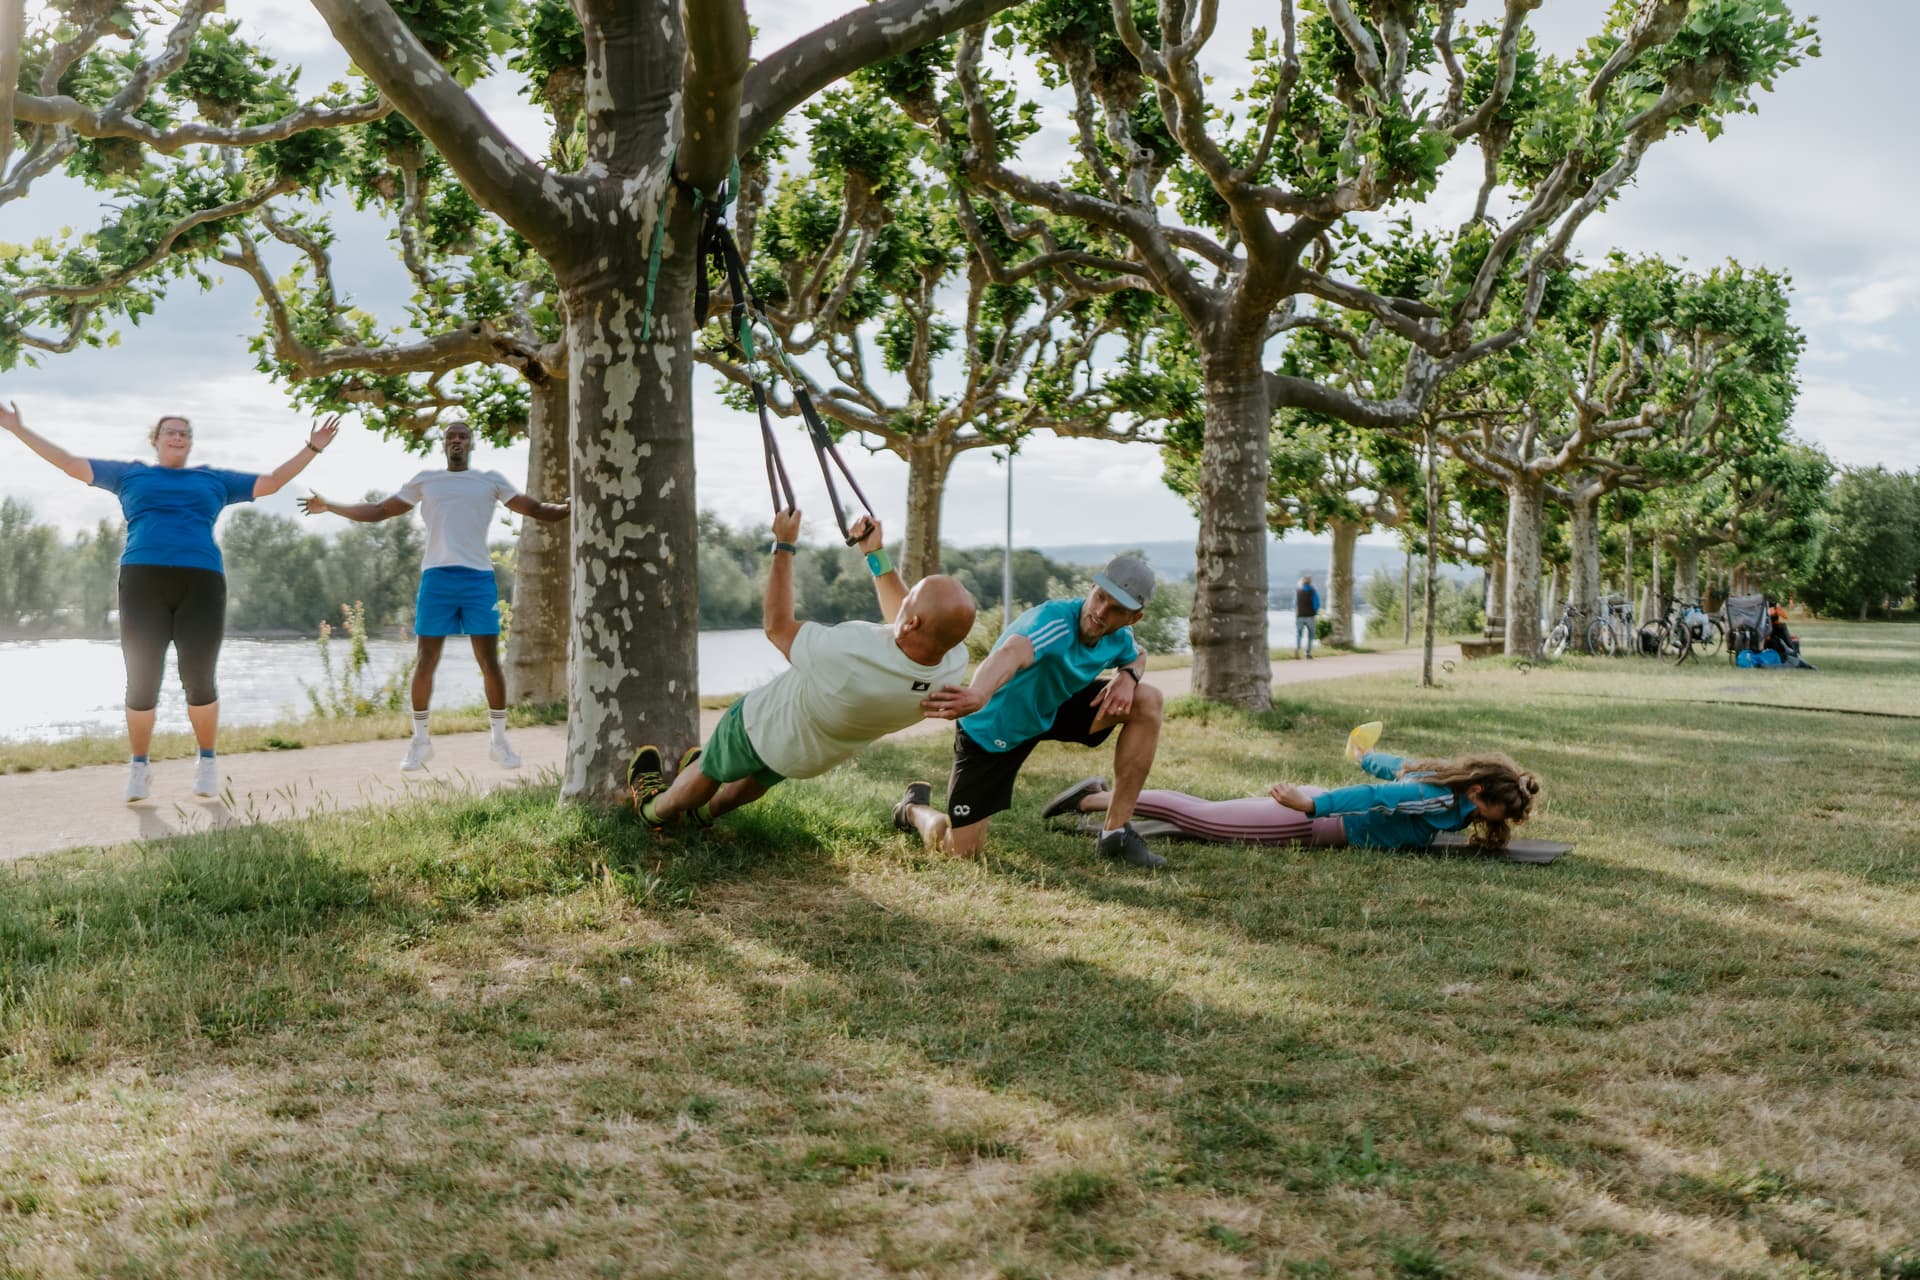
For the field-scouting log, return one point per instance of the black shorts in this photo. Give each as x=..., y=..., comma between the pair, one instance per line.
x=981, y=783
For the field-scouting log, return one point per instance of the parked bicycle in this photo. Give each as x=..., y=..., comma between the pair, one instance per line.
x=1564, y=631
x=1682, y=631
x=1612, y=632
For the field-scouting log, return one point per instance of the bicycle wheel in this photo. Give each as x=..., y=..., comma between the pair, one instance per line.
x=1601, y=639
x=1558, y=639
x=1651, y=639
x=1679, y=644
x=1709, y=644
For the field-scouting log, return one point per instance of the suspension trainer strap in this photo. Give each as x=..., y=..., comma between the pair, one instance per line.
x=718, y=247
x=782, y=492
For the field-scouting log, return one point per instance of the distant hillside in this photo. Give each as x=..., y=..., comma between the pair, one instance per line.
x=1285, y=561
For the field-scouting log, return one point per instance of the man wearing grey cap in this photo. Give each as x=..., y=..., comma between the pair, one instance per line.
x=1042, y=683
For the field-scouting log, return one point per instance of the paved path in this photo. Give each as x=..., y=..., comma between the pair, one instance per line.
x=46, y=811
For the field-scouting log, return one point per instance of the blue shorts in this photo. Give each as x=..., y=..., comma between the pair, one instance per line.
x=457, y=601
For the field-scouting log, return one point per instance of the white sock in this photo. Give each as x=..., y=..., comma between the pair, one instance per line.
x=420, y=725
x=497, y=722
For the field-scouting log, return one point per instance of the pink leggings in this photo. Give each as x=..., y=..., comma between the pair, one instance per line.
x=1254, y=820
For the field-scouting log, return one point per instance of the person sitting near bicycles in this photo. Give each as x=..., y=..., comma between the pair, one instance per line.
x=1778, y=639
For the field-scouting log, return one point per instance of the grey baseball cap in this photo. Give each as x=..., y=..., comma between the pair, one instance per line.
x=1128, y=580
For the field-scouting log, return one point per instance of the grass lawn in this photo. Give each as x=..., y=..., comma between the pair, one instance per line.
x=492, y=1038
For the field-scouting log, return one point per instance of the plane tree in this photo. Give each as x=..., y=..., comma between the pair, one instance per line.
x=1638, y=373
x=1231, y=211
x=670, y=96
x=915, y=324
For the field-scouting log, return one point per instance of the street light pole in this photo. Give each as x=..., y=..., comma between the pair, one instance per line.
x=1006, y=564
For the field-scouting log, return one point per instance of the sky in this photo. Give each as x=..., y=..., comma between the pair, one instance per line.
x=1822, y=183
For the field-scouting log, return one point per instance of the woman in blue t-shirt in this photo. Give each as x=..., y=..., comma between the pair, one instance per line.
x=173, y=585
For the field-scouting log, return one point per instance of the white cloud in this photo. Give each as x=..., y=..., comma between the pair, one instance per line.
x=1857, y=427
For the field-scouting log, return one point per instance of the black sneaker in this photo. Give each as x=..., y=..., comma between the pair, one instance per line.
x=917, y=793
x=1126, y=845
x=1068, y=801
x=645, y=777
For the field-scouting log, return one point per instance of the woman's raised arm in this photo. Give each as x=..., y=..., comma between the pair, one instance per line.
x=79, y=468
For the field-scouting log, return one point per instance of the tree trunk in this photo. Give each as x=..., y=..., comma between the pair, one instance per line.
x=1526, y=502
x=636, y=600
x=1406, y=598
x=1583, y=563
x=1686, y=570
x=1340, y=580
x=536, y=660
x=1229, y=626
x=1497, y=597
x=928, y=463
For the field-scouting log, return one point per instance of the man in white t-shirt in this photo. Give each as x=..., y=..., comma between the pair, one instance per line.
x=458, y=596
x=848, y=685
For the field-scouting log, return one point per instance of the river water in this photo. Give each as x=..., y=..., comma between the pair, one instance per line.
x=55, y=689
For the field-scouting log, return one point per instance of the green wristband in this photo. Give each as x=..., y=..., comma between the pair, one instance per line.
x=879, y=562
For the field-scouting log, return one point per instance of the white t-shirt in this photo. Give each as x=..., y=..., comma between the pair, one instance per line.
x=458, y=508
x=847, y=686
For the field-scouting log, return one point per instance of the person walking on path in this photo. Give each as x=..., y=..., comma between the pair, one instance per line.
x=1040, y=684
x=847, y=686
x=458, y=596
x=173, y=582
x=1306, y=609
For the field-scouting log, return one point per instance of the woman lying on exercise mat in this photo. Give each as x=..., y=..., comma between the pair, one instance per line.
x=1415, y=801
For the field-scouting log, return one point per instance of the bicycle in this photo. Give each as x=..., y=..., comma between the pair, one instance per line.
x=1611, y=632
x=1682, y=631
x=1564, y=630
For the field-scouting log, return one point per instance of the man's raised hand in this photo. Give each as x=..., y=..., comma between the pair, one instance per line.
x=786, y=525
x=867, y=535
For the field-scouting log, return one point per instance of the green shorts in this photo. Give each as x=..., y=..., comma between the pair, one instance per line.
x=729, y=756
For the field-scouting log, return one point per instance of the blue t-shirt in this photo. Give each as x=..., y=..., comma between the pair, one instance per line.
x=170, y=510
x=1024, y=707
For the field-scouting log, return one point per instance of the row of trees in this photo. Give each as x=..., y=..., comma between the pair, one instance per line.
x=1170, y=277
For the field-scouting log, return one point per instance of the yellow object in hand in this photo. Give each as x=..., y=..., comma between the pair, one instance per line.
x=1363, y=738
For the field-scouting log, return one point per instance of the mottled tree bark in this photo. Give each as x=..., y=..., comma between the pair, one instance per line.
x=1346, y=533
x=1583, y=511
x=1686, y=570
x=1526, y=505
x=1229, y=626
x=928, y=462
x=536, y=659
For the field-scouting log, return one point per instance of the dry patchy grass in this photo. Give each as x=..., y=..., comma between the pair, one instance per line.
x=490, y=1038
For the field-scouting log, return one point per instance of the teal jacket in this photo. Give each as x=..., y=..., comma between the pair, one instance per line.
x=1400, y=813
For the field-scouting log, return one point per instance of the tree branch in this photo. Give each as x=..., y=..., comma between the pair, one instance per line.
x=540, y=206
x=789, y=76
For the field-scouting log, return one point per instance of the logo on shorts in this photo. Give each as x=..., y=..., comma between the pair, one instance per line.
x=962, y=810
x=921, y=686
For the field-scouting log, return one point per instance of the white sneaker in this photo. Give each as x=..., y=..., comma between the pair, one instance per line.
x=503, y=755
x=206, y=777
x=417, y=755
x=139, y=781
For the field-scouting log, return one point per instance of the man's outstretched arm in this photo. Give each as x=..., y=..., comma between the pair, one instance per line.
x=776, y=615
x=544, y=512
x=887, y=583
x=364, y=512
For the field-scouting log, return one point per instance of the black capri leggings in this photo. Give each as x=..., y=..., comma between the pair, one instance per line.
x=162, y=604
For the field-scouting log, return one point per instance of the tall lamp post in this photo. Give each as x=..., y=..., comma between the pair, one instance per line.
x=1006, y=560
